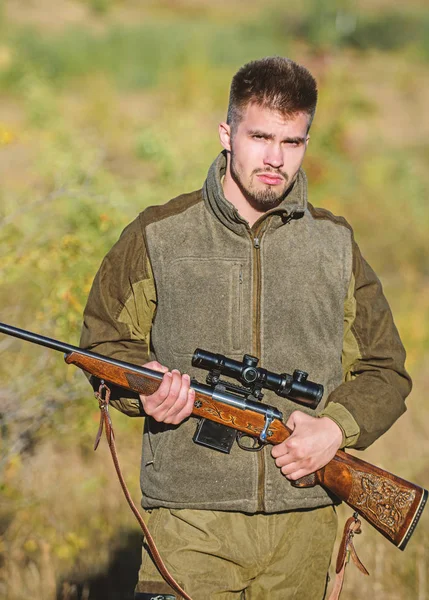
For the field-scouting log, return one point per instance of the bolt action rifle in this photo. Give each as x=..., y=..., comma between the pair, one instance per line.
x=390, y=504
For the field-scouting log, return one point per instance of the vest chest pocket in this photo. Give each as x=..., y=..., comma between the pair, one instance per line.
x=201, y=306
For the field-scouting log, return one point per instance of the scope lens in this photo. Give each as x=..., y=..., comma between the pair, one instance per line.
x=250, y=375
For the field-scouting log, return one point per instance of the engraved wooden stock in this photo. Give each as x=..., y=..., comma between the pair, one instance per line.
x=391, y=504
x=247, y=421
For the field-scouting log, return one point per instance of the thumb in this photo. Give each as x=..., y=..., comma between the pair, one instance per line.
x=293, y=420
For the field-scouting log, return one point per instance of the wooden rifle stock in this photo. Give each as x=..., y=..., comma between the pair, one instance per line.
x=391, y=504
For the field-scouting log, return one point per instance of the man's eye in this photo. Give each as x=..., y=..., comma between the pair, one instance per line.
x=258, y=137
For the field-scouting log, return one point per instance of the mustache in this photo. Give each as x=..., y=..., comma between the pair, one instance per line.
x=276, y=172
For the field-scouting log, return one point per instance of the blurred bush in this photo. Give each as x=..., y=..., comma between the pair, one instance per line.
x=342, y=24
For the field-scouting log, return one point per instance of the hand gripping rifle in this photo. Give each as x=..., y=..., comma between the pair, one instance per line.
x=390, y=504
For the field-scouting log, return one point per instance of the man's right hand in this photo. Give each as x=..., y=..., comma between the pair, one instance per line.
x=173, y=401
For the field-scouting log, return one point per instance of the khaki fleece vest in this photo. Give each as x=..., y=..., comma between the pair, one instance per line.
x=295, y=291
x=276, y=291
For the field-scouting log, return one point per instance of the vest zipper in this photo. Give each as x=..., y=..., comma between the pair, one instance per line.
x=256, y=342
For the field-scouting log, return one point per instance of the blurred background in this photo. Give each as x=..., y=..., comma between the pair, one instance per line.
x=108, y=106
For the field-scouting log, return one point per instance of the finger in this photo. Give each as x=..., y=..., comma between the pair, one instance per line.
x=151, y=402
x=156, y=366
x=293, y=419
x=285, y=459
x=297, y=474
x=292, y=448
x=163, y=407
x=290, y=469
x=187, y=409
x=279, y=450
x=180, y=402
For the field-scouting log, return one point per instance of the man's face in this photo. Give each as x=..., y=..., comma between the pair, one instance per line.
x=267, y=150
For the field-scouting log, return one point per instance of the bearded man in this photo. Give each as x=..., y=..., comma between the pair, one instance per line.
x=247, y=265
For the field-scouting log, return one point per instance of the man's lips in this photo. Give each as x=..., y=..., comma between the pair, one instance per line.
x=269, y=178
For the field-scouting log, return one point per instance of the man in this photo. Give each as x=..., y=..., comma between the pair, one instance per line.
x=247, y=265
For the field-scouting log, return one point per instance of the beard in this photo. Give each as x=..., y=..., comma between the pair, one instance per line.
x=261, y=198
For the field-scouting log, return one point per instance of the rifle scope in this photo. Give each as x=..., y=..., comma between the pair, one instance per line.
x=296, y=387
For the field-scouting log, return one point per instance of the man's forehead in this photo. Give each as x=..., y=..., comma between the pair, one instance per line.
x=257, y=115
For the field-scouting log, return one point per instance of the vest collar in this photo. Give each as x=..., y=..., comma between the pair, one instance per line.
x=292, y=207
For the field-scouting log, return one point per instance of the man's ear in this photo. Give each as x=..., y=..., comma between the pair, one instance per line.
x=225, y=136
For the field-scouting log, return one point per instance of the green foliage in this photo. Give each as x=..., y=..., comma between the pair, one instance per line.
x=340, y=24
x=100, y=7
x=140, y=56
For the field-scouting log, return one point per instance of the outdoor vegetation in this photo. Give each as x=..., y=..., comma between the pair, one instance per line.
x=109, y=106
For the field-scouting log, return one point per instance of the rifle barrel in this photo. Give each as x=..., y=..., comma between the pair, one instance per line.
x=38, y=339
x=224, y=397
x=42, y=340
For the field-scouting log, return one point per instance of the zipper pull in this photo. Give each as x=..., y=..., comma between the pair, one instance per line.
x=256, y=243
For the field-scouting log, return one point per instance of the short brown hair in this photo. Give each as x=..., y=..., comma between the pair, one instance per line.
x=276, y=83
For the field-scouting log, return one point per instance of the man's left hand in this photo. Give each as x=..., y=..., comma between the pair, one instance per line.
x=312, y=444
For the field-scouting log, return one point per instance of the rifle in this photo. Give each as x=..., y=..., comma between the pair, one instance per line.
x=390, y=504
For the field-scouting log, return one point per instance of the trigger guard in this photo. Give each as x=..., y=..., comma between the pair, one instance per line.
x=257, y=444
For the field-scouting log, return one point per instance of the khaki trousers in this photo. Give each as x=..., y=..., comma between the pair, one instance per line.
x=234, y=556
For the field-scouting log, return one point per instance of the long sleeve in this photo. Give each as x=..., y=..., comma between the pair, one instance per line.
x=120, y=308
x=376, y=383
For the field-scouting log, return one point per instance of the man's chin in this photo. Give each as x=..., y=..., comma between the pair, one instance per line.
x=265, y=199
x=264, y=204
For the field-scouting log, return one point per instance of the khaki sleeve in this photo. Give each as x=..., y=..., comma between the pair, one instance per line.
x=120, y=308
x=376, y=383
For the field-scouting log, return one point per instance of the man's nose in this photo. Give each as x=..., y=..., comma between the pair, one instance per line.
x=273, y=156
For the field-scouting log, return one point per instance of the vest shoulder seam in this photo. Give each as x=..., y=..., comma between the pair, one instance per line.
x=326, y=215
x=172, y=208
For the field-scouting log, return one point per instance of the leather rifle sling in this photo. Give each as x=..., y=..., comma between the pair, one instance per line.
x=346, y=549
x=103, y=397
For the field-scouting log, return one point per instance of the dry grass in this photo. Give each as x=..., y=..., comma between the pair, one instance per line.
x=70, y=519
